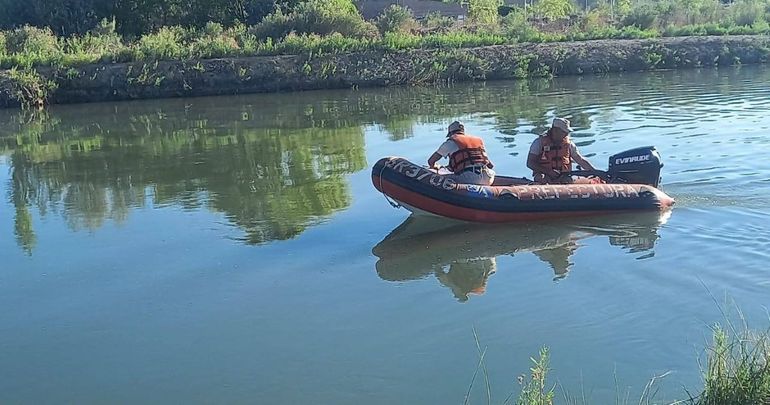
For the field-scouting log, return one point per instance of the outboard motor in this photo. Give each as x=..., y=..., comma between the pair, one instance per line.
x=636, y=166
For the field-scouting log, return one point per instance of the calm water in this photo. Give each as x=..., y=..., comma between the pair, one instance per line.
x=234, y=250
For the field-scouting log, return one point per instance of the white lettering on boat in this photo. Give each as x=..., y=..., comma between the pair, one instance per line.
x=632, y=159
x=449, y=184
x=575, y=191
x=419, y=173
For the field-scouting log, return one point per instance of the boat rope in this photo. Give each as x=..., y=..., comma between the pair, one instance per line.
x=382, y=190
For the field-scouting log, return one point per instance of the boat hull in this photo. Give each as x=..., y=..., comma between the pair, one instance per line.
x=424, y=191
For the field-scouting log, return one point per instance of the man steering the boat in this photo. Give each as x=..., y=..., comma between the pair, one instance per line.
x=552, y=154
x=468, y=159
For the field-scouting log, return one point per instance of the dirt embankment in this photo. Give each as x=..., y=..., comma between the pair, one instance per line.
x=126, y=81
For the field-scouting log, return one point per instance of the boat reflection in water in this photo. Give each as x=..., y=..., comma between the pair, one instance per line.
x=462, y=256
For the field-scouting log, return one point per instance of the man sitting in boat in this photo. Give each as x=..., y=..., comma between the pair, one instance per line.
x=552, y=153
x=468, y=159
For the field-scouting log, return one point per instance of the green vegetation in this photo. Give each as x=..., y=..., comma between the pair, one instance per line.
x=738, y=369
x=396, y=19
x=49, y=36
x=534, y=390
x=737, y=373
x=322, y=17
x=323, y=26
x=553, y=9
x=133, y=18
x=29, y=87
x=484, y=12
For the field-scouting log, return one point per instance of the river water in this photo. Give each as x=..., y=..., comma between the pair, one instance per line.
x=233, y=249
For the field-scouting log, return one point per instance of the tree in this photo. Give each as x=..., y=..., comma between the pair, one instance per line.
x=64, y=17
x=134, y=17
x=483, y=11
x=554, y=9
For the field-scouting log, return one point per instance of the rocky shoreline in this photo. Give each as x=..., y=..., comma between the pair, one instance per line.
x=146, y=80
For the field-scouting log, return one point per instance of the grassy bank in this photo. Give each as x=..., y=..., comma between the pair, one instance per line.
x=336, y=26
x=38, y=61
x=29, y=47
x=199, y=77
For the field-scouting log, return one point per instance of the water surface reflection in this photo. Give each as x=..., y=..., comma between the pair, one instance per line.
x=463, y=256
x=272, y=183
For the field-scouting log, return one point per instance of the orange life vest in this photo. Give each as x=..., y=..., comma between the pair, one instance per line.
x=555, y=156
x=471, y=153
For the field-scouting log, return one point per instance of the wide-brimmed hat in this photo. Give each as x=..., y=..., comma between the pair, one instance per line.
x=563, y=124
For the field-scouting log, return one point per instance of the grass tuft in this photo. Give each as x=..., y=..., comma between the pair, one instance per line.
x=29, y=88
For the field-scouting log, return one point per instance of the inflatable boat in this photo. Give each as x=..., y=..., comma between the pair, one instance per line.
x=629, y=184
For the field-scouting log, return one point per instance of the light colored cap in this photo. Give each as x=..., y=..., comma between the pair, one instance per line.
x=456, y=126
x=563, y=124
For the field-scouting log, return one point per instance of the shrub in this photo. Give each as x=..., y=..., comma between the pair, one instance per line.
x=92, y=48
x=737, y=368
x=106, y=39
x=468, y=66
x=34, y=44
x=3, y=49
x=435, y=21
x=516, y=25
x=30, y=89
x=761, y=27
x=213, y=29
x=247, y=42
x=394, y=41
x=746, y=13
x=294, y=44
x=554, y=9
x=623, y=7
x=167, y=43
x=321, y=17
x=688, y=12
x=667, y=14
x=709, y=11
x=534, y=389
x=715, y=29
x=276, y=25
x=396, y=19
x=685, y=31
x=99, y=44
x=214, y=42
x=642, y=16
x=483, y=12
x=214, y=46
x=104, y=27
x=595, y=19
x=461, y=40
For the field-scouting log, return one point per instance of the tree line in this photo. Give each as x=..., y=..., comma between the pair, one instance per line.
x=133, y=17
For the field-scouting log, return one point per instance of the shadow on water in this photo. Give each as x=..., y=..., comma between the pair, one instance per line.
x=463, y=256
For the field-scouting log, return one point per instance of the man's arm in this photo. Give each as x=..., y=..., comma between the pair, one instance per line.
x=435, y=157
x=582, y=161
x=533, y=162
